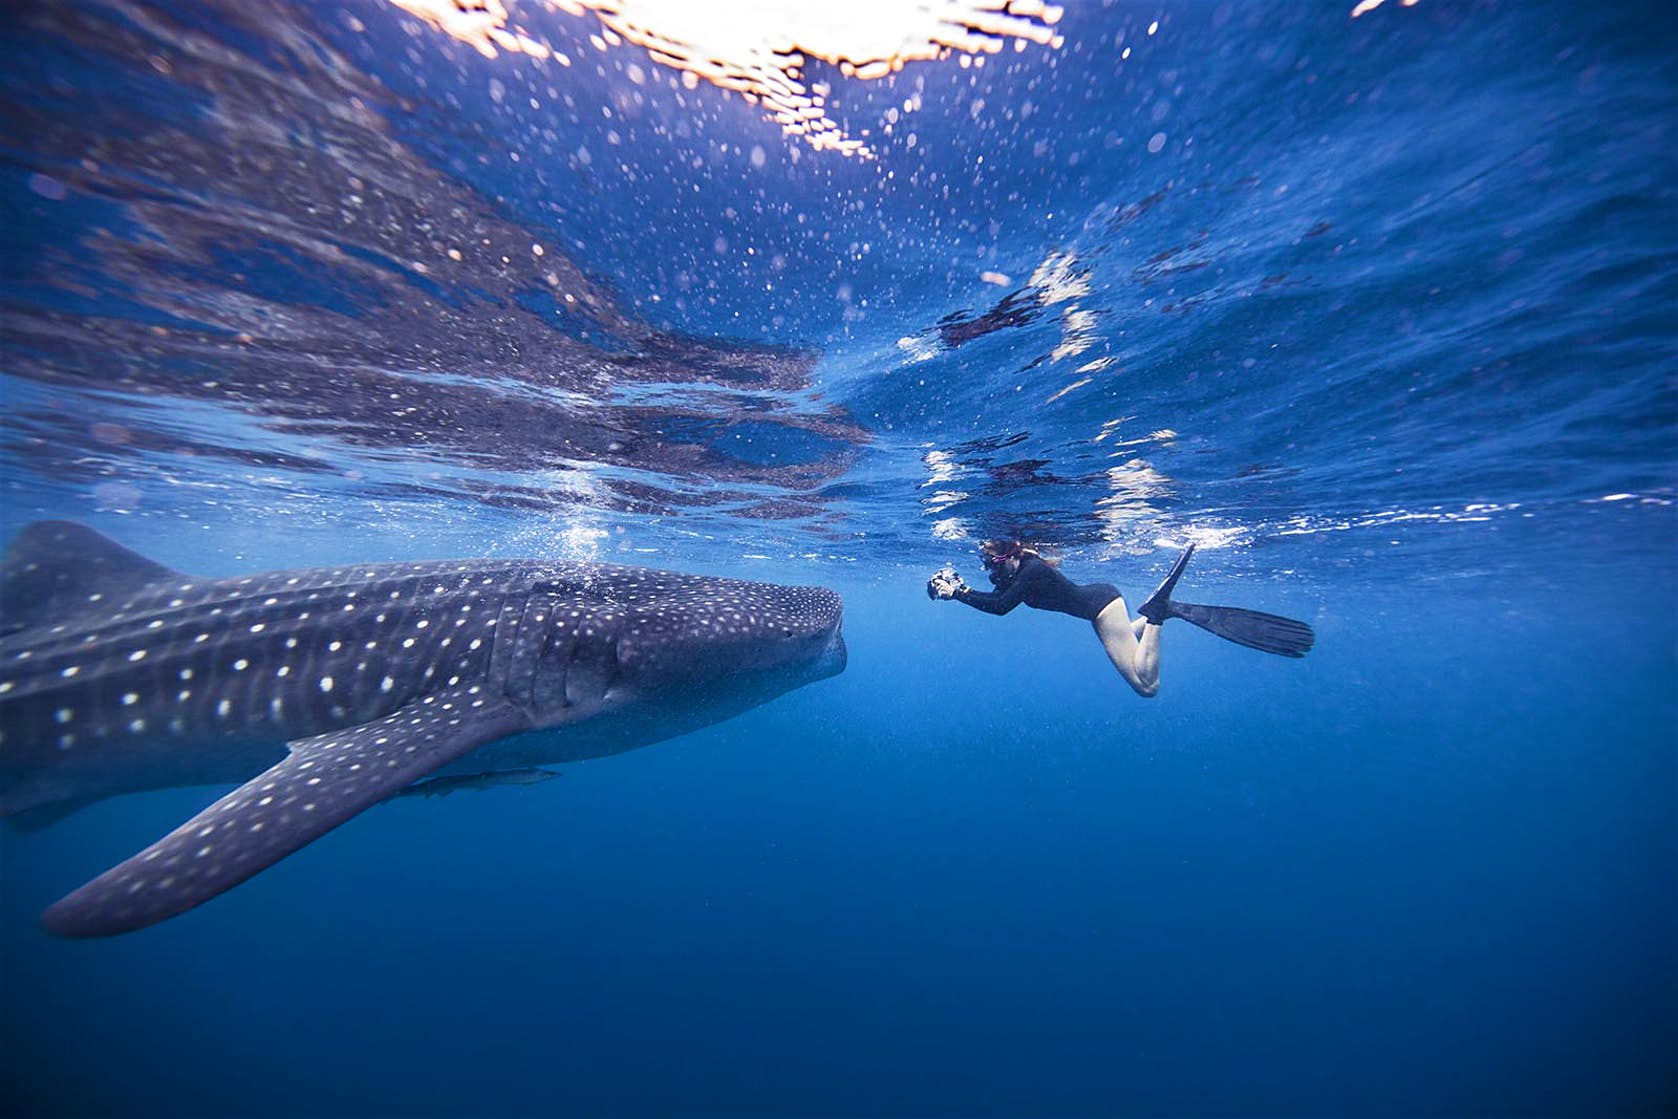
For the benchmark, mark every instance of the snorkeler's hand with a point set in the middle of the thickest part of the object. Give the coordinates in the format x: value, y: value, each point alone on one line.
x: 945, y: 584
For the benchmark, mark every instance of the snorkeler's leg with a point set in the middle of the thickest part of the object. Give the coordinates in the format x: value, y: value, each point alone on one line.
x: 1147, y: 658
x: 1133, y: 650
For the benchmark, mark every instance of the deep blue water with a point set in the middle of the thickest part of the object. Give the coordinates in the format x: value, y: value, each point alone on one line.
x: 1380, y: 312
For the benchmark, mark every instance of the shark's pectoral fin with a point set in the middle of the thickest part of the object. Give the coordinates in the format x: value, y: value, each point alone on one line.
x: 326, y: 780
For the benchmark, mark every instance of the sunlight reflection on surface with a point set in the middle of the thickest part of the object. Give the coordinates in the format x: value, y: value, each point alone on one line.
x: 758, y: 48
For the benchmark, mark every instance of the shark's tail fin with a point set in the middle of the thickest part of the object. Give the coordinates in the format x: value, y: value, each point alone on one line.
x: 54, y: 568
x: 1268, y: 633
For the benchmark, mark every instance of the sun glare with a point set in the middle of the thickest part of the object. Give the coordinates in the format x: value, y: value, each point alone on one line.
x: 759, y: 48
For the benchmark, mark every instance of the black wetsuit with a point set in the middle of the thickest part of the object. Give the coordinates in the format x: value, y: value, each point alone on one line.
x: 1038, y: 584
x: 1041, y: 585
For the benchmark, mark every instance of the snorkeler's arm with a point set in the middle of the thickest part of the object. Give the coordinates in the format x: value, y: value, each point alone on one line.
x: 997, y: 602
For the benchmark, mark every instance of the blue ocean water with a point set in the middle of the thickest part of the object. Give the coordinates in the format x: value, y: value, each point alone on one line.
x: 1380, y: 312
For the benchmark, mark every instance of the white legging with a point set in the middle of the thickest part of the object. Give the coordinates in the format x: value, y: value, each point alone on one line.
x: 1132, y: 646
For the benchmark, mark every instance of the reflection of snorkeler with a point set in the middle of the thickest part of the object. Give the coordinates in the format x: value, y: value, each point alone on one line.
x: 1021, y: 575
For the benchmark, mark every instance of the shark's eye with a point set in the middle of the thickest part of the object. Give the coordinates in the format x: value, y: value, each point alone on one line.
x: 788, y: 632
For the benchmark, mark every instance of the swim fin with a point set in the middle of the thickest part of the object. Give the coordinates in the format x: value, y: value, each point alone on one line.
x: 1268, y: 633
x: 1158, y: 607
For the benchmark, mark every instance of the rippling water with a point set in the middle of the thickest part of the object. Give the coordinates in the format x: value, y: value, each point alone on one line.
x: 1380, y: 311
x: 1275, y: 272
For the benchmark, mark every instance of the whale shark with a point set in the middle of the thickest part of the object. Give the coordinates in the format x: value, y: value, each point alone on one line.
x: 328, y: 690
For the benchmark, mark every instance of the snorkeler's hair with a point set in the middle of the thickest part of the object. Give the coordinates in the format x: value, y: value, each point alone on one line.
x: 995, y: 551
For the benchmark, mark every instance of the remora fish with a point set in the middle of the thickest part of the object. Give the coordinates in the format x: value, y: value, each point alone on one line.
x: 443, y: 786
x: 339, y: 687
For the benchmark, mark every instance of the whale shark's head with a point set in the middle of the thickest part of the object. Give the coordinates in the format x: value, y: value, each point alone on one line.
x: 638, y: 636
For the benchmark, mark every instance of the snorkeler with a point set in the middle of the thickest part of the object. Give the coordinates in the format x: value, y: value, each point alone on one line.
x: 1020, y: 574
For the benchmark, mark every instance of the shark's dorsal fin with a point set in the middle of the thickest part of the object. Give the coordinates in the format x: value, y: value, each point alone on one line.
x: 54, y: 568
x: 326, y: 780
